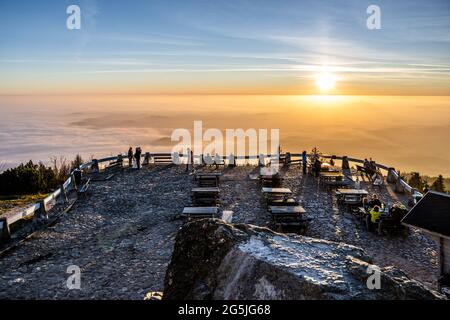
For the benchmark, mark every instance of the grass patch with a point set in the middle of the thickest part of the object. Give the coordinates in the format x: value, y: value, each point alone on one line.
x: 11, y: 201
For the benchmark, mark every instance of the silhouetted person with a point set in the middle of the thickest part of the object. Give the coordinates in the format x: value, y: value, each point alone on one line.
x: 332, y: 162
x: 397, y: 213
x: 217, y: 161
x: 137, y: 156
x: 317, y: 166
x: 374, y: 202
x: 304, y: 161
x: 130, y: 157
x: 208, y: 160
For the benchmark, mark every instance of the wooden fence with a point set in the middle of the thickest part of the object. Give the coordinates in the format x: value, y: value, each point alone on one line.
x: 68, y: 186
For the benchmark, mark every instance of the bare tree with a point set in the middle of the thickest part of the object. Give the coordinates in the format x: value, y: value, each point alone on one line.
x: 60, y: 168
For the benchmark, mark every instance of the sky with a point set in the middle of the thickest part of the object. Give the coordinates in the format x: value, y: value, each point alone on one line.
x: 224, y: 47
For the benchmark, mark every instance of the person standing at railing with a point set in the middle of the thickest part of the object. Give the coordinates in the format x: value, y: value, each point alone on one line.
x: 317, y: 167
x: 304, y: 161
x: 130, y: 157
x: 137, y: 156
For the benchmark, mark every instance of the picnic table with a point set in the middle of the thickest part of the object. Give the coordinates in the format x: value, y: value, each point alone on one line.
x: 331, y: 174
x: 352, y: 192
x: 332, y: 178
x: 208, y: 179
x: 205, y: 195
x: 268, y: 190
x: 207, y: 174
x: 289, y: 218
x: 210, y: 190
x: 200, y: 212
x: 351, y: 197
x: 277, y: 196
x: 283, y: 210
x: 326, y: 167
x: 269, y: 176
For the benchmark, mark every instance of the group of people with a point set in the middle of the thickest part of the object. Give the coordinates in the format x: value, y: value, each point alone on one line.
x: 136, y: 155
x: 316, y: 164
x: 370, y: 166
x: 375, y: 207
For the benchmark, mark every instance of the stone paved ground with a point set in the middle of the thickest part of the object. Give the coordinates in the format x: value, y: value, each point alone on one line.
x: 122, y: 235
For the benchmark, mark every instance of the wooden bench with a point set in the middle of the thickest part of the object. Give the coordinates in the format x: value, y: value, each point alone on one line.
x: 207, y: 179
x: 205, y: 196
x: 162, y: 159
x: 289, y: 218
x: 200, y: 212
x: 286, y: 210
x: 114, y: 166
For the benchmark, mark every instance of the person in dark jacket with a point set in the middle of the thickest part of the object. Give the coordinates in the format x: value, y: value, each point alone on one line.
x: 137, y: 156
x: 317, y: 166
x: 130, y: 157
x: 304, y: 161
x: 375, y: 201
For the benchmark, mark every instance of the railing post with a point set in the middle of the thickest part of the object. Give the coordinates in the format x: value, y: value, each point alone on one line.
x: 77, y: 175
x: 391, y: 176
x: 95, y: 167
x: 146, y: 159
x: 398, y: 185
x: 5, y: 234
x: 345, y: 163
x: 72, y: 182
x: 287, y: 158
x: 232, y: 161
x: 41, y: 215
x: 189, y: 159
x: 261, y: 160
x: 63, y: 195
x: 120, y: 160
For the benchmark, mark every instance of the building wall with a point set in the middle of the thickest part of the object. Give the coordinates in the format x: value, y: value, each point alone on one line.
x: 446, y: 255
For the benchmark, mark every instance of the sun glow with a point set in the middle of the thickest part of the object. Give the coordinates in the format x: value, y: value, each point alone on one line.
x: 325, y: 81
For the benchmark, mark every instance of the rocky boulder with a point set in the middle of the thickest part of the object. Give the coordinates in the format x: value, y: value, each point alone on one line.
x: 215, y: 260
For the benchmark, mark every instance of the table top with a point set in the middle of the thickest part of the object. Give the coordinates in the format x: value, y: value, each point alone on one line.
x: 205, y: 190
x: 331, y: 174
x: 276, y: 190
x: 352, y: 191
x: 268, y: 172
x: 200, y: 210
x: 329, y: 167
x: 208, y: 174
x: 286, y: 209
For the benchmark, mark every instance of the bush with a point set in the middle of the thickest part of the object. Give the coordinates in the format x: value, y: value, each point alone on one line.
x: 27, y: 178
x: 31, y: 178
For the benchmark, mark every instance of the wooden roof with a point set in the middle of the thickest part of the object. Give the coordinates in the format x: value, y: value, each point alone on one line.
x: 431, y: 213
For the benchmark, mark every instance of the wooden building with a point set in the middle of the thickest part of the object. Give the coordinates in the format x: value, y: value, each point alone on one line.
x: 432, y: 215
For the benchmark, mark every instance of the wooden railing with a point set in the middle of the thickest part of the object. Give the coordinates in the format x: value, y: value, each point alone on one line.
x: 69, y: 185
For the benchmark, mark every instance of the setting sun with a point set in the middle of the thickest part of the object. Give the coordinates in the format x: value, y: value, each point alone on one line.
x: 325, y: 81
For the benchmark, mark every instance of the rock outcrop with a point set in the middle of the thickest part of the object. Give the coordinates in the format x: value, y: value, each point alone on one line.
x: 215, y: 260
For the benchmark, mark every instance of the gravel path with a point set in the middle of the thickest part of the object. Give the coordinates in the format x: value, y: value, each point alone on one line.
x: 122, y: 235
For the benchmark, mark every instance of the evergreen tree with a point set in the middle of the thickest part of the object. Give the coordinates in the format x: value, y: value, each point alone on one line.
x: 438, y: 184
x: 416, y: 181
